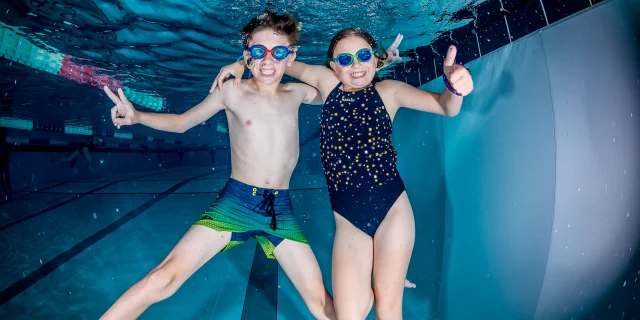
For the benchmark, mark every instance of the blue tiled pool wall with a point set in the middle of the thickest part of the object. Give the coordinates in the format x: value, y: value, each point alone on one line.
x: 495, y: 23
x: 559, y: 77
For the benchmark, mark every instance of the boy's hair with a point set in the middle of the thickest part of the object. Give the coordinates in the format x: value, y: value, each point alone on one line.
x: 356, y: 32
x: 282, y: 24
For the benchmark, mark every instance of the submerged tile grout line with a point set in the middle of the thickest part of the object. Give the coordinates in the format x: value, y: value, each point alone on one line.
x: 544, y: 11
x: 261, y: 296
x: 132, y: 193
x: 156, y: 180
x: 505, y: 20
x: 55, y: 185
x: 23, y: 284
x: 79, y: 195
x: 184, y: 192
x: 37, y: 191
x: 508, y: 31
x: 219, y: 293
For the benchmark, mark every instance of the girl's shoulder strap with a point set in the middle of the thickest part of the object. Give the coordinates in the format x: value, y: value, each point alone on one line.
x: 336, y: 88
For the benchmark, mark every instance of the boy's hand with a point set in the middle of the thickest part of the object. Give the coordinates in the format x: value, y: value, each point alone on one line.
x: 235, y: 69
x: 123, y: 113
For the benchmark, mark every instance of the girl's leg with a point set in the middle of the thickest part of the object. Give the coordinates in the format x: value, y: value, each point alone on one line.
x: 392, y: 247
x: 195, y: 248
x: 352, y: 265
x: 300, y: 264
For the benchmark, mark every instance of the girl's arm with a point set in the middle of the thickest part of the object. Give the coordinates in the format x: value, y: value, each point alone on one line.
x: 447, y: 103
x: 404, y: 95
x: 317, y: 76
x: 322, y: 77
x: 313, y: 75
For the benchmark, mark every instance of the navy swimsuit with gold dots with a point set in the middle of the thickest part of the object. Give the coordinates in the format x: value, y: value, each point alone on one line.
x: 358, y: 158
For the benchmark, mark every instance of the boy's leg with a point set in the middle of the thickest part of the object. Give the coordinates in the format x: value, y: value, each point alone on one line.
x: 300, y: 264
x: 195, y: 248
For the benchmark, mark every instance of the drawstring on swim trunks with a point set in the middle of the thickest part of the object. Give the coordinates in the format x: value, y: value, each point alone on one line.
x: 268, y: 204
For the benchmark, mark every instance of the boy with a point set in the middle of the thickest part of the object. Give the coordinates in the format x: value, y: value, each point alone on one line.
x: 263, y: 131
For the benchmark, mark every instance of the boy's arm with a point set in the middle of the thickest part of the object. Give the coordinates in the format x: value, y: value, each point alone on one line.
x: 123, y: 113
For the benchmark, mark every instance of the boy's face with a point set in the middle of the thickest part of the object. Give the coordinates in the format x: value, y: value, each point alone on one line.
x: 268, y: 70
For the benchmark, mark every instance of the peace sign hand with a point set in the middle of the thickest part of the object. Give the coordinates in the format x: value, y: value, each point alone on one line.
x: 123, y: 113
x: 393, y: 54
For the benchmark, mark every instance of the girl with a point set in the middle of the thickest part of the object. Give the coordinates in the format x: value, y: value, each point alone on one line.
x: 374, y: 221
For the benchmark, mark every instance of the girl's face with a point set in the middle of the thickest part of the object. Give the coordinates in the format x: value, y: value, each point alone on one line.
x: 359, y: 74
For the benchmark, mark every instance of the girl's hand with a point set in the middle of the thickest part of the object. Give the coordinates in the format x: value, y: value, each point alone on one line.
x: 458, y: 75
x: 393, y: 54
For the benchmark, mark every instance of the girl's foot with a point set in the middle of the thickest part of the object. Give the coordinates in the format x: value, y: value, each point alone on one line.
x: 408, y: 284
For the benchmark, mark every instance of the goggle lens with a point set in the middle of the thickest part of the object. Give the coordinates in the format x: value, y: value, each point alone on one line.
x: 346, y: 59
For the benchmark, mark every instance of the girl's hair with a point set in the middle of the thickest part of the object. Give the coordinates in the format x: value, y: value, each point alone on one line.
x: 282, y: 24
x: 356, y: 32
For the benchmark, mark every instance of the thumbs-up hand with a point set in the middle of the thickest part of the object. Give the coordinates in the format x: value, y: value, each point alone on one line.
x: 459, y: 77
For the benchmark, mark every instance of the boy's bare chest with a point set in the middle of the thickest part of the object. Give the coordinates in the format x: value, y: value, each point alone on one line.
x: 255, y: 110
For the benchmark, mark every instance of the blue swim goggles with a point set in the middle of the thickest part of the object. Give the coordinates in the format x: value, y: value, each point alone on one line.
x: 346, y: 59
x: 279, y: 53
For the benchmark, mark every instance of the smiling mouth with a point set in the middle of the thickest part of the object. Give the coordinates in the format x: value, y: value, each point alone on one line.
x: 358, y: 75
x: 267, y: 72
